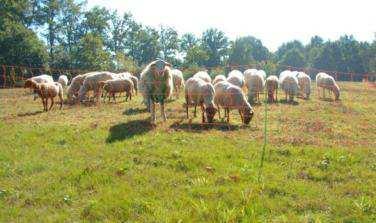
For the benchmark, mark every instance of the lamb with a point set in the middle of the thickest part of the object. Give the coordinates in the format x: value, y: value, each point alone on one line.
x: 229, y: 96
x: 304, y: 84
x: 63, y: 80
x: 236, y: 77
x: 219, y: 78
x: 178, y: 80
x: 289, y: 84
x: 204, y: 76
x: 118, y: 86
x: 91, y: 82
x: 156, y: 86
x: 255, y: 83
x: 133, y: 78
x: 47, y: 91
x: 44, y: 78
x: 326, y: 81
x: 199, y: 92
x: 272, y: 88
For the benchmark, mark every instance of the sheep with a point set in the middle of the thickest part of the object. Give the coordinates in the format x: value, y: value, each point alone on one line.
x: 63, y: 80
x: 236, y: 77
x: 44, y: 78
x: 133, y: 78
x: 156, y: 86
x: 47, y: 90
x: 326, y: 81
x: 304, y: 84
x: 289, y: 84
x: 255, y: 83
x: 271, y: 84
x: 178, y: 80
x: 117, y: 86
x: 91, y: 82
x: 75, y: 85
x: 204, y: 76
x: 230, y: 96
x: 219, y: 78
x: 199, y: 92
x: 262, y: 73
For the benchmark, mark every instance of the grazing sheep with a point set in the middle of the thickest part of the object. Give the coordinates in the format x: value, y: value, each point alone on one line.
x: 219, y: 78
x: 156, y: 86
x: 289, y: 84
x: 204, y: 76
x: 47, y: 91
x: 75, y: 85
x: 304, y: 84
x: 229, y: 96
x: 114, y: 86
x: 178, y: 80
x: 255, y: 83
x: 262, y: 73
x: 133, y: 78
x: 199, y: 92
x: 326, y: 81
x: 44, y: 78
x: 63, y: 80
x: 91, y: 82
x: 236, y: 77
x: 271, y: 84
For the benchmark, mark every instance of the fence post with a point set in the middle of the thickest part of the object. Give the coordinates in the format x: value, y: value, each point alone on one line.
x: 4, y: 75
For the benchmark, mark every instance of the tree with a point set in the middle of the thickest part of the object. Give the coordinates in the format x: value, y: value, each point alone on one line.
x: 284, y: 48
x: 92, y: 55
x: 187, y: 41
x: 196, y: 56
x: 169, y: 41
x: 294, y: 58
x: 215, y: 43
x: 246, y: 50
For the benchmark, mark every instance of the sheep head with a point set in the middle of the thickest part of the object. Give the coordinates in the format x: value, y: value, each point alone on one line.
x: 210, y: 113
x: 247, y: 115
x: 336, y: 91
x: 31, y: 84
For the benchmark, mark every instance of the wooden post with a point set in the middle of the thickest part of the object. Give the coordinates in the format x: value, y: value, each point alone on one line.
x: 4, y: 75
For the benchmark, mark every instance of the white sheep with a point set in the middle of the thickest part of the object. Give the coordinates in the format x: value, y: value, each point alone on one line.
x: 289, y: 84
x: 236, y: 77
x: 326, y: 81
x: 47, y: 90
x: 255, y: 83
x: 91, y: 83
x: 204, y: 76
x: 199, y: 92
x: 75, y: 85
x: 63, y: 80
x: 271, y: 85
x: 262, y: 73
x: 178, y: 80
x: 113, y: 86
x: 156, y: 86
x: 219, y: 78
x: 229, y: 96
x: 304, y: 84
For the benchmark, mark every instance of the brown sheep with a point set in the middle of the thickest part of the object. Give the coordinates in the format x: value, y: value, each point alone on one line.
x: 46, y: 91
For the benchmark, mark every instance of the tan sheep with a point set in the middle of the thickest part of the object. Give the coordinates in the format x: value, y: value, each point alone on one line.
x: 272, y: 88
x: 47, y: 91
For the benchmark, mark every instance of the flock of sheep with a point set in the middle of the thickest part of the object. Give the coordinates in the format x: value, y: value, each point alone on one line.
x: 159, y: 82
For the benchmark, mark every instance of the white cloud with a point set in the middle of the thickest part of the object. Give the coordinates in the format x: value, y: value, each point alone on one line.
x: 274, y: 22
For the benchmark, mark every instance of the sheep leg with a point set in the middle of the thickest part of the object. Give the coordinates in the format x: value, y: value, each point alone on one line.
x: 241, y: 115
x: 153, y: 117
x: 228, y: 115
x: 44, y: 104
x: 113, y: 96
x: 203, y: 113
x: 163, y: 111
x: 276, y: 95
x: 61, y: 101
x: 286, y: 96
x: 219, y: 112
x: 52, y: 103
x: 195, y: 111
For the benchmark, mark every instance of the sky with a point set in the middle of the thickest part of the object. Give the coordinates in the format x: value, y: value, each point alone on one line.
x: 273, y: 22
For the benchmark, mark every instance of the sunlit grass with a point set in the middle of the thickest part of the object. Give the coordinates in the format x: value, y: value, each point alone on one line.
x: 107, y: 163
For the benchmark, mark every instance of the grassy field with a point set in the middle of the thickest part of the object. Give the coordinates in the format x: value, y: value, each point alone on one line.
x: 107, y: 163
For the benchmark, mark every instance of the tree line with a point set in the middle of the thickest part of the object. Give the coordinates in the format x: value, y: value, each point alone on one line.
x: 64, y: 34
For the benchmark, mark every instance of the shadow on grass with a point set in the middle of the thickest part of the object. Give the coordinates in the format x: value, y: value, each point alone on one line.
x: 127, y: 130
x: 284, y: 101
x: 201, y: 127
x: 134, y: 111
x: 29, y: 113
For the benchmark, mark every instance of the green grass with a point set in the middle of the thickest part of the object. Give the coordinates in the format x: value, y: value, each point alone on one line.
x: 107, y: 163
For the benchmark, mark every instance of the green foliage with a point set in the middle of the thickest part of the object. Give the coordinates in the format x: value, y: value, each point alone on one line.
x: 246, y: 50
x: 92, y: 55
x: 215, y: 43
